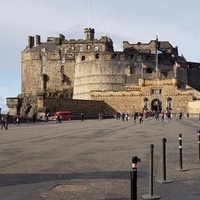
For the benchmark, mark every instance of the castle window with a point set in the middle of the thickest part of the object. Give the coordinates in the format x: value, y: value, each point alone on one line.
x: 88, y: 47
x: 96, y: 48
x: 62, y: 69
x: 97, y: 56
x: 149, y: 70
x: 43, y: 70
x: 83, y: 58
x: 156, y: 91
x: 80, y: 49
x: 72, y: 47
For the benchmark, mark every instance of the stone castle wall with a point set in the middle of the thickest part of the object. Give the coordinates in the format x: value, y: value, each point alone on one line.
x: 55, y: 75
x: 194, y: 108
x: 132, y: 99
x: 193, y: 76
x: 91, y: 109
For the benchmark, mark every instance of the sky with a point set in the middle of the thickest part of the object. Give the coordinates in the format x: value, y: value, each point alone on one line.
x: 134, y: 21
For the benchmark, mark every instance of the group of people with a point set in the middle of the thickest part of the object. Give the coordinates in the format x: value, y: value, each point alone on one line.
x: 126, y: 116
x: 164, y: 116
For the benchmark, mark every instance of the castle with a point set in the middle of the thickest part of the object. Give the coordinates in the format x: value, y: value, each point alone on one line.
x: 87, y: 75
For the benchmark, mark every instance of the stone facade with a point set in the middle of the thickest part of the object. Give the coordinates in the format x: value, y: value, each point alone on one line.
x: 146, y: 94
x: 194, y: 108
x: 141, y: 76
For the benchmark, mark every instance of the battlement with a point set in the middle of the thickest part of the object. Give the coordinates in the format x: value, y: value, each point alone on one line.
x: 89, y: 43
x: 162, y: 46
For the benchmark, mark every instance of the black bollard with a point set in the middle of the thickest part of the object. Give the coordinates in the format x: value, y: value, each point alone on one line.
x: 199, y: 142
x: 180, y: 155
x: 164, y: 180
x: 133, y: 175
x: 151, y: 195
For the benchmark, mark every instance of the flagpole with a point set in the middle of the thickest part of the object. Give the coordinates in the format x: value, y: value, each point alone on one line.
x: 88, y: 9
x: 156, y: 56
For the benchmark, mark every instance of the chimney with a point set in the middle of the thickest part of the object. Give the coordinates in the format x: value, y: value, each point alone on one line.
x: 37, y: 40
x: 62, y: 37
x: 30, y: 41
x: 89, y: 33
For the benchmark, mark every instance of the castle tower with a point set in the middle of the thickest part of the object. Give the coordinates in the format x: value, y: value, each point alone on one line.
x: 97, y: 73
x: 89, y: 33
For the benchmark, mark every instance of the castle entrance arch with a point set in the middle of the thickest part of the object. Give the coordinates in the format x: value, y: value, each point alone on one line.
x: 156, y: 105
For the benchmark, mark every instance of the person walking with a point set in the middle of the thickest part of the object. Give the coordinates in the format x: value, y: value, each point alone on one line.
x: 140, y: 118
x: 157, y: 116
x: 7, y: 117
x: 82, y: 116
x: 135, y: 116
x: 180, y: 115
x: 34, y: 118
x: 3, y: 120
x: 47, y: 117
x: 18, y: 120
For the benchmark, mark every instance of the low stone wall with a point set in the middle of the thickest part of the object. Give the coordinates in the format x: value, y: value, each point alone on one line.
x: 194, y: 108
x: 91, y: 109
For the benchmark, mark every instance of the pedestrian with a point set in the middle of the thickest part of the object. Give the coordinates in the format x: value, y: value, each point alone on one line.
x: 0, y: 116
x: 123, y: 116
x: 58, y: 119
x: 100, y: 116
x: 180, y: 115
x: 3, y: 120
x: 82, y: 116
x: 140, y: 118
x: 34, y: 118
x: 157, y: 116
x: 47, y: 118
x: 7, y: 118
x: 18, y: 120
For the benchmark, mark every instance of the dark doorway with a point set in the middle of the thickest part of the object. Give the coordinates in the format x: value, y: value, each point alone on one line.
x: 156, y: 105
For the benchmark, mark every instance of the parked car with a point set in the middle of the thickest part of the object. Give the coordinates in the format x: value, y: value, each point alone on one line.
x: 65, y: 115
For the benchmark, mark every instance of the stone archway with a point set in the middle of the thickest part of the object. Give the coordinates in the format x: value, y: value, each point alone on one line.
x: 156, y: 105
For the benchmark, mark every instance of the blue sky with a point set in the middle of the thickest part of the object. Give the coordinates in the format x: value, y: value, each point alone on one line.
x: 122, y: 20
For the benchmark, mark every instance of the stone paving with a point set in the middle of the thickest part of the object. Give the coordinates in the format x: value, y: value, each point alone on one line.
x: 92, y: 160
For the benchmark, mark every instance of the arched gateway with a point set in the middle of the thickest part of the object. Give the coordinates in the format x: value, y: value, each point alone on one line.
x: 156, y: 105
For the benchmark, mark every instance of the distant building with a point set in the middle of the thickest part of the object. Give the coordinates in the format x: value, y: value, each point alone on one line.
x: 88, y: 75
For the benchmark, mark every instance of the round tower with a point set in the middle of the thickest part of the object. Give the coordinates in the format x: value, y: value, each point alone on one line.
x: 97, y: 72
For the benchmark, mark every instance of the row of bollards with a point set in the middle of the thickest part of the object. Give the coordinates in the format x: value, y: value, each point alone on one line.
x: 135, y: 160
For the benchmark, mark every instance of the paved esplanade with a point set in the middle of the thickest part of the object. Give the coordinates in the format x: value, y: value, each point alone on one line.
x: 92, y: 160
